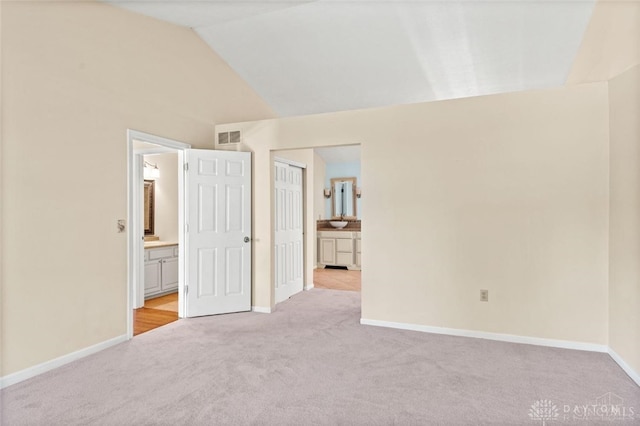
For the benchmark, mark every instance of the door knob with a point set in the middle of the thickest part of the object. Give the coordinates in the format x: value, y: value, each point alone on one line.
x: 247, y: 239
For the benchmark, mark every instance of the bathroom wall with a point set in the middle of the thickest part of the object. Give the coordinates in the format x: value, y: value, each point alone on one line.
x: 338, y: 170
x: 166, y: 196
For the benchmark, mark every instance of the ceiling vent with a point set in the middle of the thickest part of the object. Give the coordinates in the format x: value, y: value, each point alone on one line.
x: 229, y: 137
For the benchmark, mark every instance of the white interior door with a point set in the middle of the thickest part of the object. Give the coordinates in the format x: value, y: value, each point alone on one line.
x: 288, y: 231
x: 218, y: 232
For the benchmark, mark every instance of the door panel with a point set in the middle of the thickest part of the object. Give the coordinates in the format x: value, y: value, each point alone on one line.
x: 218, y: 259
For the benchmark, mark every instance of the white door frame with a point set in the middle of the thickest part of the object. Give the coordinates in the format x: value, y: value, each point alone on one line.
x: 135, y: 235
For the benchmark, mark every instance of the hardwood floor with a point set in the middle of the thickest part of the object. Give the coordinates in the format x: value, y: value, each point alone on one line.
x: 168, y: 302
x: 337, y: 279
x: 155, y: 313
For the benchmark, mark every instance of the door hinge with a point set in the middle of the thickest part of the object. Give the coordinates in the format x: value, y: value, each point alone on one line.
x: 186, y: 228
x: 186, y: 167
x: 186, y: 290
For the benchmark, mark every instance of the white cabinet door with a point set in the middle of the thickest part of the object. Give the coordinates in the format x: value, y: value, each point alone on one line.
x: 344, y: 259
x: 152, y: 274
x: 170, y: 274
x: 218, y: 241
x: 327, y: 251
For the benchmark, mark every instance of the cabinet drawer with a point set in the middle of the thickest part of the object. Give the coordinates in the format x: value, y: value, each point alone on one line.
x: 344, y: 258
x: 335, y: 234
x: 343, y: 245
x: 160, y: 253
x: 175, y: 252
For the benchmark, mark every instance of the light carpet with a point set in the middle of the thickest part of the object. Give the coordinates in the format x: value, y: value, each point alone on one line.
x: 312, y: 363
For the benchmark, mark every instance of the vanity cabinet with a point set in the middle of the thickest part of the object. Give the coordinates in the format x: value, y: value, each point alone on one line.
x: 338, y: 248
x: 160, y: 271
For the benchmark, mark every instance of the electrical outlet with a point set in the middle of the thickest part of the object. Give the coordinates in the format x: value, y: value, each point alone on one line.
x: 121, y: 225
x: 484, y: 295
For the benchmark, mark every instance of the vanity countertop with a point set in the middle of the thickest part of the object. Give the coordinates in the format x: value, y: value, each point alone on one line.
x: 347, y: 229
x: 156, y: 244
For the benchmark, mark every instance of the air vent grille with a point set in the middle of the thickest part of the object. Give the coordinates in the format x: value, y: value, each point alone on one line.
x: 223, y: 138
x: 229, y: 137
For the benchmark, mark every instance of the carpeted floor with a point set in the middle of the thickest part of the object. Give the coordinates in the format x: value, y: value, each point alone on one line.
x: 311, y: 363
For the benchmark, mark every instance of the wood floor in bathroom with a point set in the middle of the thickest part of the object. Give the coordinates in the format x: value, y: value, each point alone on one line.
x: 155, y: 313
x: 337, y: 279
x: 164, y: 309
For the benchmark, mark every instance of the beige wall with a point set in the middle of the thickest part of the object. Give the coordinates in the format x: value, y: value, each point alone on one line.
x: 611, y: 43
x: 166, y: 192
x: 2, y: 186
x: 624, y: 239
x: 319, y: 170
x: 76, y: 76
x: 320, y: 174
x: 507, y: 193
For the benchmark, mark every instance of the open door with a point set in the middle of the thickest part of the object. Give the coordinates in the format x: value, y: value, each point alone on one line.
x: 289, y: 278
x: 217, y: 232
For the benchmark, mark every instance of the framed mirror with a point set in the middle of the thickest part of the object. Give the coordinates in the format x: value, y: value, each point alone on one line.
x: 149, y: 206
x: 343, y: 193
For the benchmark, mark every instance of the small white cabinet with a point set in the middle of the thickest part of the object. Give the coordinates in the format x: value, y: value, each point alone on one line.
x: 327, y: 251
x: 160, y: 271
x: 339, y: 248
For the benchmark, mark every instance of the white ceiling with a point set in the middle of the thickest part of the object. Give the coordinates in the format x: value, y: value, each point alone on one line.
x: 307, y: 57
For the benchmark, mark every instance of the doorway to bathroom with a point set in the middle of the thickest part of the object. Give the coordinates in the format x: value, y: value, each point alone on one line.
x: 331, y: 257
x: 212, y: 256
x: 156, y: 298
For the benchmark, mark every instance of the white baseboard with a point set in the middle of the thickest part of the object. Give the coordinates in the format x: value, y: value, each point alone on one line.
x: 565, y: 344
x: 30, y: 372
x: 309, y: 287
x: 627, y: 369
x: 261, y: 309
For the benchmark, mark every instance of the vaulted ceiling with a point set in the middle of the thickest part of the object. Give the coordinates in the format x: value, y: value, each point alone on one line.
x: 307, y: 57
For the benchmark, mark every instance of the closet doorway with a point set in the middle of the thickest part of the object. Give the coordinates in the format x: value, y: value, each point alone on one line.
x: 288, y: 229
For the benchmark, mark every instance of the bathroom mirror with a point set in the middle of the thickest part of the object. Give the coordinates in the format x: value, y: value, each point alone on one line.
x: 149, y: 208
x: 343, y: 193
